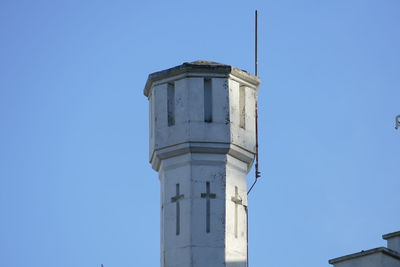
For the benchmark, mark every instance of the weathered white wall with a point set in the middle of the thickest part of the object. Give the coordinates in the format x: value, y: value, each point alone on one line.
x: 189, y: 110
x: 193, y: 245
x: 236, y: 246
x: 393, y: 243
x: 239, y: 136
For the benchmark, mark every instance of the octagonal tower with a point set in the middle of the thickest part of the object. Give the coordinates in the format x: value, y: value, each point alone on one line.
x: 202, y: 143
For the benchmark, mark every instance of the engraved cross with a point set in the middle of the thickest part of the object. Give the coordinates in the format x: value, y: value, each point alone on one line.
x: 176, y: 199
x: 238, y: 201
x: 208, y: 196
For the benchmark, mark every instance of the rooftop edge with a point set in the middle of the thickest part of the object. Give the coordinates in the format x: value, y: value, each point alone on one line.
x: 201, y: 66
x: 383, y: 250
x: 390, y: 235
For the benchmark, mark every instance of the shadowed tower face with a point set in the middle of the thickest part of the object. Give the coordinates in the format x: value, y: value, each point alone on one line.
x: 202, y: 143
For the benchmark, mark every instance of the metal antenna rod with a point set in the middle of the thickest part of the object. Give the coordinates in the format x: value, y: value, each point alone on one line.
x: 256, y: 44
x: 257, y: 172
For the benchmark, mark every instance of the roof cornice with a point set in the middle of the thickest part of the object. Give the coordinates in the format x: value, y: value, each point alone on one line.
x: 200, y: 66
x: 383, y: 250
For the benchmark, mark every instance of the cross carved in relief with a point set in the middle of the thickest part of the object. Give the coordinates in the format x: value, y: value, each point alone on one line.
x: 177, y: 198
x: 208, y: 196
x: 238, y: 201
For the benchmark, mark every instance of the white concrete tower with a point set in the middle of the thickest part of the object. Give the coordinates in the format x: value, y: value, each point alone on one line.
x: 202, y: 143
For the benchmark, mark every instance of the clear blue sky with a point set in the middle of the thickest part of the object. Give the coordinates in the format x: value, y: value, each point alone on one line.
x: 76, y: 188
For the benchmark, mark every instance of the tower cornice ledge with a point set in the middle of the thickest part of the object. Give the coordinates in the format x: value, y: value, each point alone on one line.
x: 201, y: 147
x: 200, y: 66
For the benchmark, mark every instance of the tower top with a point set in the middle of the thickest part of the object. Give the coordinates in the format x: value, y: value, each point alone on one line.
x: 200, y: 66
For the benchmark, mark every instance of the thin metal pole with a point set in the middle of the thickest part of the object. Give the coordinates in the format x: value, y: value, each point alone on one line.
x: 257, y: 172
x: 256, y: 44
